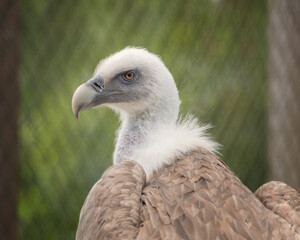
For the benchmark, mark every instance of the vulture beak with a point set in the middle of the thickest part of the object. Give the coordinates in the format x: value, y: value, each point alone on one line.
x: 88, y: 95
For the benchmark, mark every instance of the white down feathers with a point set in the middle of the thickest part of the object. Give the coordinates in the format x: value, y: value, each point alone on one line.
x: 149, y: 133
x: 166, y: 144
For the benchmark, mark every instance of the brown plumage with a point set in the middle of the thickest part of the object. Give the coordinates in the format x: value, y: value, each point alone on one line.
x: 196, y: 197
x: 282, y: 200
x: 174, y: 187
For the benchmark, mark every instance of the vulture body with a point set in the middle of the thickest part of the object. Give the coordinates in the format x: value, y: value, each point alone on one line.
x: 166, y: 182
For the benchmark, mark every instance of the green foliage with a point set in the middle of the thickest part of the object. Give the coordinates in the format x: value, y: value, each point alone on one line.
x: 216, y: 51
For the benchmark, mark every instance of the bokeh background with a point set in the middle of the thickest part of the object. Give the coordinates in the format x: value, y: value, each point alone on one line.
x: 236, y: 65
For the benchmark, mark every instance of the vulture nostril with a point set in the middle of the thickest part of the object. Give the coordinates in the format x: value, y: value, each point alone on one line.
x: 97, y: 83
x: 97, y: 87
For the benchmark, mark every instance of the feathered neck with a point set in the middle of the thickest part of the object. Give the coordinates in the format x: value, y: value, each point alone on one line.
x: 155, y: 138
x: 136, y: 128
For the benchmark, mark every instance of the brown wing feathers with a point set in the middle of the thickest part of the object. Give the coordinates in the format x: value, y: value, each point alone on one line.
x: 112, y: 207
x: 282, y: 200
x: 197, y: 197
x: 205, y: 200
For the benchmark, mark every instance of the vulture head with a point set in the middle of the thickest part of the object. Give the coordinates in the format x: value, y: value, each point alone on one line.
x: 133, y: 82
x: 136, y: 84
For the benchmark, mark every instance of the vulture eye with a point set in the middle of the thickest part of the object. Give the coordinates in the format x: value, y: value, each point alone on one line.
x: 129, y: 76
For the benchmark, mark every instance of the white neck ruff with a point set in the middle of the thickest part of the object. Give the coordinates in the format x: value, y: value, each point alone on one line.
x: 166, y: 143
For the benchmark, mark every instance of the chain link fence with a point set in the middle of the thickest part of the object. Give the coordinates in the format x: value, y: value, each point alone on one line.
x: 216, y: 50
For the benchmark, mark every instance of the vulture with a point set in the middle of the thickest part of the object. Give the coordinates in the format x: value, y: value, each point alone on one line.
x: 166, y: 181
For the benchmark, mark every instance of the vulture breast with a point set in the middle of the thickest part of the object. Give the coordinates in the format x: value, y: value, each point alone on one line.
x: 196, y: 197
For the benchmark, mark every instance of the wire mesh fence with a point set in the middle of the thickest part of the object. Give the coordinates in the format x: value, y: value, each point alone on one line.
x: 216, y: 50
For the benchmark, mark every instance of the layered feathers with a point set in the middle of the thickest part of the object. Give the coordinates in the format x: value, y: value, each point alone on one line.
x: 167, y: 182
x: 196, y: 197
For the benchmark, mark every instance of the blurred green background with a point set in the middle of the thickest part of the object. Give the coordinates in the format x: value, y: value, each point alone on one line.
x: 216, y: 51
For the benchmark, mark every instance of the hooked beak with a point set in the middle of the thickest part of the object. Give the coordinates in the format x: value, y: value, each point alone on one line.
x: 88, y: 95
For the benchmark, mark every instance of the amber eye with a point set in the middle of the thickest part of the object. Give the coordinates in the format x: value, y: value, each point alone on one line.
x: 129, y: 75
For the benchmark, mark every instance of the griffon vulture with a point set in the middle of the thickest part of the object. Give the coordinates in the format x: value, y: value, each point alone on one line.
x: 166, y: 182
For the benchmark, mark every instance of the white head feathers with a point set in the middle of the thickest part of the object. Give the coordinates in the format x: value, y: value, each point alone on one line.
x: 137, y: 84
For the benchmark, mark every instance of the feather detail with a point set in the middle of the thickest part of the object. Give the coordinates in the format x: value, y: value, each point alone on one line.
x: 196, y: 197
x: 167, y: 143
